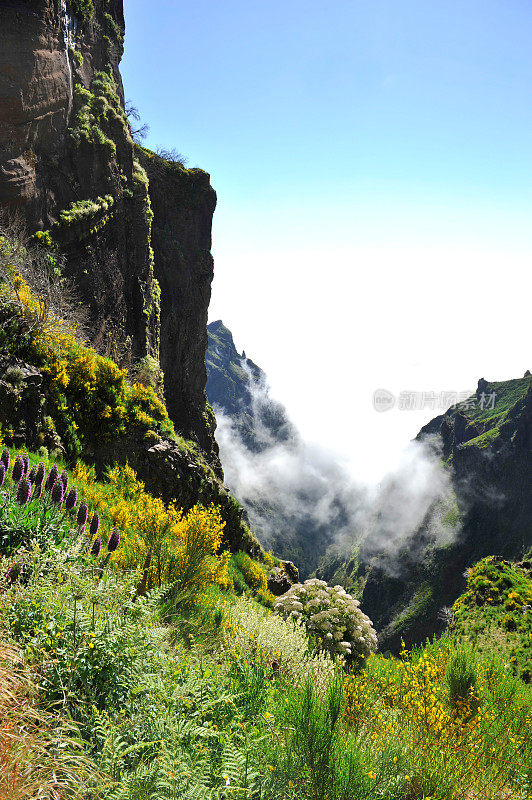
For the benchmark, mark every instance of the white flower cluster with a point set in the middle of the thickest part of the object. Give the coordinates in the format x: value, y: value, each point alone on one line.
x: 332, y: 616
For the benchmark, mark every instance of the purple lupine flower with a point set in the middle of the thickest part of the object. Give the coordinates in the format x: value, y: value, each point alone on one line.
x: 51, y: 479
x: 2, y: 473
x: 114, y: 540
x: 37, y: 492
x: 5, y: 458
x: 26, y: 462
x: 18, y: 469
x: 57, y: 493
x: 96, y: 546
x: 81, y: 516
x: 95, y: 524
x: 32, y: 474
x: 71, y: 499
x: 23, y: 491
x: 64, y: 480
x: 41, y: 473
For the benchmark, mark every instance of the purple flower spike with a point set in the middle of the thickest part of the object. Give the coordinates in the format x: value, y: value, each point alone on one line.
x: 23, y: 491
x: 114, y: 540
x: 95, y: 524
x: 96, y: 546
x: 26, y: 462
x: 71, y: 499
x: 5, y: 458
x: 51, y: 479
x: 18, y: 469
x: 2, y: 473
x: 37, y: 492
x: 57, y: 493
x: 41, y: 472
x: 83, y: 513
x: 32, y: 476
x: 64, y: 480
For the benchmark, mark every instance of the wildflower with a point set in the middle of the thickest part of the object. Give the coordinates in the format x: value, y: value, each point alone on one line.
x: 114, y: 540
x: 18, y: 469
x: 95, y: 524
x: 83, y: 513
x: 23, y: 491
x: 91, y: 645
x: 5, y: 458
x: 372, y: 775
x: 96, y: 546
x: 51, y: 479
x: 71, y: 499
x: 41, y: 473
x: 64, y: 479
x: 57, y: 493
x: 2, y: 473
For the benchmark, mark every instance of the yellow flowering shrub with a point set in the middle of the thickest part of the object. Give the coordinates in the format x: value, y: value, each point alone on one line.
x: 89, y: 395
x: 183, y: 547
x: 404, y: 706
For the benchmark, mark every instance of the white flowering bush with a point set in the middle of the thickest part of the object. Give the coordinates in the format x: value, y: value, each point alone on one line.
x: 332, y: 617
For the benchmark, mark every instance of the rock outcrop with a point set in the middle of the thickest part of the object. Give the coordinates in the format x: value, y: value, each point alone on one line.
x: 69, y: 166
x: 282, y: 578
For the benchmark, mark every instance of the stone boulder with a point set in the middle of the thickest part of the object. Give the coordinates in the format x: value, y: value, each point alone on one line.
x: 281, y: 578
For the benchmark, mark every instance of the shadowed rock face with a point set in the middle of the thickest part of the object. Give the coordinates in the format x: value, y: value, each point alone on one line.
x: 36, y: 91
x: 46, y: 167
x: 34, y: 96
x: 183, y: 204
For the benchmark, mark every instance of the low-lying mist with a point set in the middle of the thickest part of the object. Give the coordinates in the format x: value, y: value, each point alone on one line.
x: 302, y: 499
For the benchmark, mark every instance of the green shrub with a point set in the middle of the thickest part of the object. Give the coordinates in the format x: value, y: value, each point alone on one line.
x: 253, y: 575
x: 461, y: 677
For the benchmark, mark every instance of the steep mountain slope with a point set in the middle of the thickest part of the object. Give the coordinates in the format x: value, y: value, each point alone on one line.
x: 69, y: 167
x: 237, y: 386
x: 294, y: 492
x: 486, y: 447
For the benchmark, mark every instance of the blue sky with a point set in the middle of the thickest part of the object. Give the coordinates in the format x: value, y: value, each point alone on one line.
x: 372, y: 162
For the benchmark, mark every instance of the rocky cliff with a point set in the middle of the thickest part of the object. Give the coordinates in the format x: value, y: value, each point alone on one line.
x: 134, y: 230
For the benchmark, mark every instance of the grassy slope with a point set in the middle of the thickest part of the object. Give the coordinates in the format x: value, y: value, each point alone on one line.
x: 484, y: 422
x: 495, y: 611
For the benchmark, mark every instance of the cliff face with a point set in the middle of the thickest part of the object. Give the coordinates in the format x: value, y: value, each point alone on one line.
x: 68, y: 166
x: 183, y: 204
